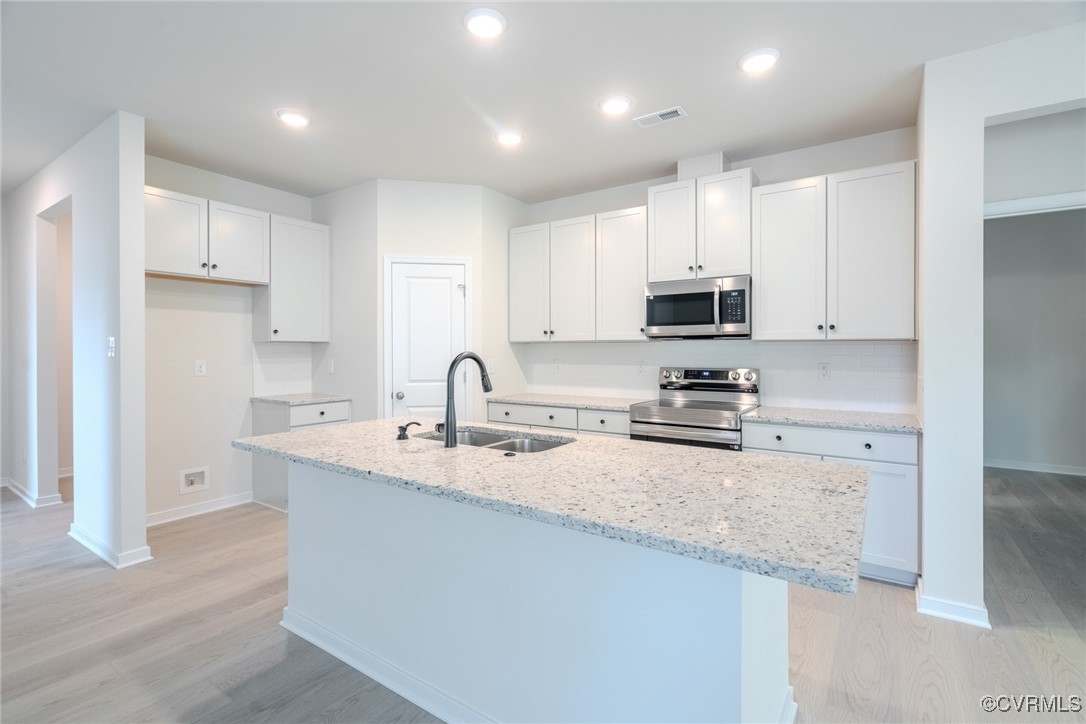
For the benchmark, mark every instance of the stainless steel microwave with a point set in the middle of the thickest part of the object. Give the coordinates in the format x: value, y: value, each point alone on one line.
x: 699, y: 308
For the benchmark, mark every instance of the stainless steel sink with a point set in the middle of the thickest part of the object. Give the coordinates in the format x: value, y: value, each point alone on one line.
x: 479, y: 439
x: 526, y: 445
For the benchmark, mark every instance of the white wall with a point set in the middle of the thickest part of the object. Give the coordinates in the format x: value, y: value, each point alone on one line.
x: 960, y: 94
x: 102, y: 174
x: 1039, y: 156
x: 1035, y: 342
x: 876, y: 376
x: 64, y: 344
x: 410, y: 218
x: 191, y: 420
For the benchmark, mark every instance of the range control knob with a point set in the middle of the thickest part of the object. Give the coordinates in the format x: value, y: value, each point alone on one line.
x: 667, y: 374
x: 678, y: 374
x: 735, y: 375
x: 749, y: 376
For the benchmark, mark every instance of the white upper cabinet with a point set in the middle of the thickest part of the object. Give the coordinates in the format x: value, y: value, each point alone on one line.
x: 175, y: 233
x: 870, y: 253
x: 833, y: 257
x: 573, y: 280
x: 723, y: 228
x: 193, y: 237
x: 239, y: 247
x: 529, y: 283
x: 620, y: 274
x: 296, y: 305
x: 700, y: 228
x: 788, y: 274
x: 672, y: 232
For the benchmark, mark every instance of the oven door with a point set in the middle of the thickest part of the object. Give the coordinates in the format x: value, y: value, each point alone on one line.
x: 682, y: 435
x: 683, y: 309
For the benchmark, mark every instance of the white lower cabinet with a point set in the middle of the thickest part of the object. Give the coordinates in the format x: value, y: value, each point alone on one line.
x: 270, y: 474
x: 596, y: 422
x: 892, y: 525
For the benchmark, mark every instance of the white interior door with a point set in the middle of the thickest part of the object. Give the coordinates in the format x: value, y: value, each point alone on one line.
x: 428, y: 330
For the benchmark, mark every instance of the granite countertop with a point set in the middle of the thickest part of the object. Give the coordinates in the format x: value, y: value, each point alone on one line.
x: 302, y: 398
x: 795, y: 520
x: 581, y: 402
x: 839, y: 419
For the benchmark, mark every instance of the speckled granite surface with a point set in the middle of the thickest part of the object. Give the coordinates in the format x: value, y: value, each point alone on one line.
x: 795, y: 520
x: 839, y: 419
x: 581, y: 402
x: 302, y: 398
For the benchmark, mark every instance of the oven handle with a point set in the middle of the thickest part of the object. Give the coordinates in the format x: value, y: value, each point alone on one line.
x: 676, y: 432
x: 716, y: 307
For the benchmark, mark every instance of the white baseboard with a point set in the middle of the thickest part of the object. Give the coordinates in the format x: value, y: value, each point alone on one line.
x: 950, y: 610
x: 1035, y: 467
x: 187, y: 511
x: 65, y: 472
x: 99, y: 548
x: 29, y: 499
x: 790, y: 709
x: 383, y: 672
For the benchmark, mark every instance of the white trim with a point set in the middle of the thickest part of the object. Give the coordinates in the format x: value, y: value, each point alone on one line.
x: 65, y: 473
x: 1035, y: 205
x: 387, y: 674
x: 950, y: 610
x: 790, y: 708
x: 269, y: 505
x: 1035, y: 467
x: 29, y: 499
x: 187, y: 511
x: 469, y: 339
x: 103, y: 551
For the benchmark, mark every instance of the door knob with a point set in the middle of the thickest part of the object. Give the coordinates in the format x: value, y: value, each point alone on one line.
x: 399, y: 395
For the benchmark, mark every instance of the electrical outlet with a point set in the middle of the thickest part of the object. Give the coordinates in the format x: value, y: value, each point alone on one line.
x: 640, y: 368
x: 823, y: 370
x: 558, y: 365
x: 331, y: 366
x: 194, y: 480
x: 111, y: 347
x: 200, y: 368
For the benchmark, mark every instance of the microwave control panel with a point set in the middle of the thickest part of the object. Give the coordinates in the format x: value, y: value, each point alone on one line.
x: 733, y: 305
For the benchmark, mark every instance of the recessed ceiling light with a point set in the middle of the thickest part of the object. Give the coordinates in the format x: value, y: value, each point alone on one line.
x: 484, y: 23
x: 758, y: 60
x: 509, y: 138
x: 292, y: 117
x: 615, y: 105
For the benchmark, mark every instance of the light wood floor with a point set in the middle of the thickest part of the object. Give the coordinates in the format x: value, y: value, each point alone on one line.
x: 194, y: 636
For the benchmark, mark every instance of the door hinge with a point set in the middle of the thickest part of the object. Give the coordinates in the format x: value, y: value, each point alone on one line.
x: 463, y: 289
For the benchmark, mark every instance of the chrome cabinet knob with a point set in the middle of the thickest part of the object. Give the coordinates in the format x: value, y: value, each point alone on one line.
x: 399, y: 395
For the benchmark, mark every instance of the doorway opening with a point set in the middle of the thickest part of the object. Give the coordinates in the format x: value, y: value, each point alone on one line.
x: 1034, y: 377
x: 65, y: 461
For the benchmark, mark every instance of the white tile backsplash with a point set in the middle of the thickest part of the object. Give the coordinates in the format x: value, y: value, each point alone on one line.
x: 871, y: 376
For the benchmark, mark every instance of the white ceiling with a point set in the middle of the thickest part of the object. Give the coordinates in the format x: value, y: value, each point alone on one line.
x: 400, y: 90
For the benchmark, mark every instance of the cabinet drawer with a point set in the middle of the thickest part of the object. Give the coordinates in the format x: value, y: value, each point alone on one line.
x: 565, y: 417
x: 858, y: 444
x: 314, y: 414
x: 615, y: 423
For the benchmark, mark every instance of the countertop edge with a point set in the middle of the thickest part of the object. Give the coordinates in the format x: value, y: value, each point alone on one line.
x: 589, y: 402
x: 316, y: 399
x: 825, y: 581
x: 782, y: 418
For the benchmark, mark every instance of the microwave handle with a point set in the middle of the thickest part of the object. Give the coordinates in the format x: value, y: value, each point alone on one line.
x: 716, y: 307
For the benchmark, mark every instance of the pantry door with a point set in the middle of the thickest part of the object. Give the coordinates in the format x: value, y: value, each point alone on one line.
x: 427, y: 320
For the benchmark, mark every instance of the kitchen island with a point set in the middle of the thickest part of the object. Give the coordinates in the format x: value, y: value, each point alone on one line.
x: 603, y: 580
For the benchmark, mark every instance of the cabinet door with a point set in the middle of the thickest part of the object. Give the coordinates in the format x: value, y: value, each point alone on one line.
x: 723, y: 229
x: 529, y: 283
x: 175, y: 233
x: 298, y: 300
x: 788, y: 274
x: 620, y: 274
x: 892, y: 526
x: 239, y: 246
x: 573, y: 280
x: 871, y: 251
x: 672, y: 232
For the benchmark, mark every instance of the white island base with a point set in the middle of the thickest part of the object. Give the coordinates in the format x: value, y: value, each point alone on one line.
x: 476, y: 615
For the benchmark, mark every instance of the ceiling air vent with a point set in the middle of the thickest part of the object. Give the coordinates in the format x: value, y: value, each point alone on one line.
x: 655, y: 119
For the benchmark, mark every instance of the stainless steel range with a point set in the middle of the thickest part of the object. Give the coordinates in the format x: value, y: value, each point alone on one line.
x: 697, y: 407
